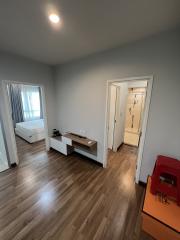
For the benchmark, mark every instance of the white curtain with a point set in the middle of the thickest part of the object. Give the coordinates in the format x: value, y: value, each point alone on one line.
x: 31, y: 102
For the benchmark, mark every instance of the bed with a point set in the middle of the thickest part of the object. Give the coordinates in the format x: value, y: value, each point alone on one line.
x: 31, y: 131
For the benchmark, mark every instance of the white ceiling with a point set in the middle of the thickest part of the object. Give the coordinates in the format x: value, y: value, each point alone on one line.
x: 87, y: 26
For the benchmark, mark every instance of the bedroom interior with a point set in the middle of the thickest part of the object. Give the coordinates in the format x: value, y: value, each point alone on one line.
x: 89, y: 120
x: 26, y: 110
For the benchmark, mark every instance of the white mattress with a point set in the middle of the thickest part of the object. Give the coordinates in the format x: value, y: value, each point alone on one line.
x: 31, y: 127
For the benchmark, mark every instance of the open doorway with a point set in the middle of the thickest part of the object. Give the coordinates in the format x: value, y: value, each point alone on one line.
x: 26, y: 110
x: 126, y: 113
x: 134, y: 113
x: 126, y: 118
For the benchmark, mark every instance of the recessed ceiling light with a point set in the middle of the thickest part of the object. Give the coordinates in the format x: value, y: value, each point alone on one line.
x: 54, y: 18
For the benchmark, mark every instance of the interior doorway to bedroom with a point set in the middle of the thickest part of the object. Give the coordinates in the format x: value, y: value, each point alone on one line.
x: 127, y: 113
x: 26, y: 106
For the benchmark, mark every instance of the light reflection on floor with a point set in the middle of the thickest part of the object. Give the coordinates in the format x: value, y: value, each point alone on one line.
x: 128, y: 182
x: 47, y: 198
x: 28, y: 177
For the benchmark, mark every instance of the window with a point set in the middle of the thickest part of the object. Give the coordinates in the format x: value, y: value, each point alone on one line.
x: 31, y: 102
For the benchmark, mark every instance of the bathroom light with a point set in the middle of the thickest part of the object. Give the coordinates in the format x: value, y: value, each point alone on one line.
x: 54, y: 18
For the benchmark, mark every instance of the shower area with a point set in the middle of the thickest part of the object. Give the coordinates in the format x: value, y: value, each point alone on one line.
x: 134, y: 115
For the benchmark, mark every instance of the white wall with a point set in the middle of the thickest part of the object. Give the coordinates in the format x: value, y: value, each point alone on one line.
x: 137, y: 84
x: 20, y: 69
x: 81, y: 93
x: 134, y: 84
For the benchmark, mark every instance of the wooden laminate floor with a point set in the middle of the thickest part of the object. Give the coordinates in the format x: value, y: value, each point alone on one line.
x: 50, y: 196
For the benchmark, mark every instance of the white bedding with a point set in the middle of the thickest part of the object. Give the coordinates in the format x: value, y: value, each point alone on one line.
x: 31, y: 131
x: 31, y: 127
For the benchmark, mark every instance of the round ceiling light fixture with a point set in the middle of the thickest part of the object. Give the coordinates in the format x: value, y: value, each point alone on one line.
x: 54, y: 18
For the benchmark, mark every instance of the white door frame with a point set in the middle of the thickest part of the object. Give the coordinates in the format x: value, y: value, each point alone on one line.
x: 149, y: 80
x: 8, y: 124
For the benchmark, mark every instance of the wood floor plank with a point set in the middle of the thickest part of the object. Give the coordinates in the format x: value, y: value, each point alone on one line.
x: 50, y: 196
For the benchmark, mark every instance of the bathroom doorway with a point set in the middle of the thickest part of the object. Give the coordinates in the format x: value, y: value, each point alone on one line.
x: 126, y: 113
x: 134, y: 114
x: 127, y: 104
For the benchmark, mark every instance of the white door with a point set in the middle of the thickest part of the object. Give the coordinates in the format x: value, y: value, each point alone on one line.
x: 120, y: 113
x: 112, y: 108
x: 117, y: 110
